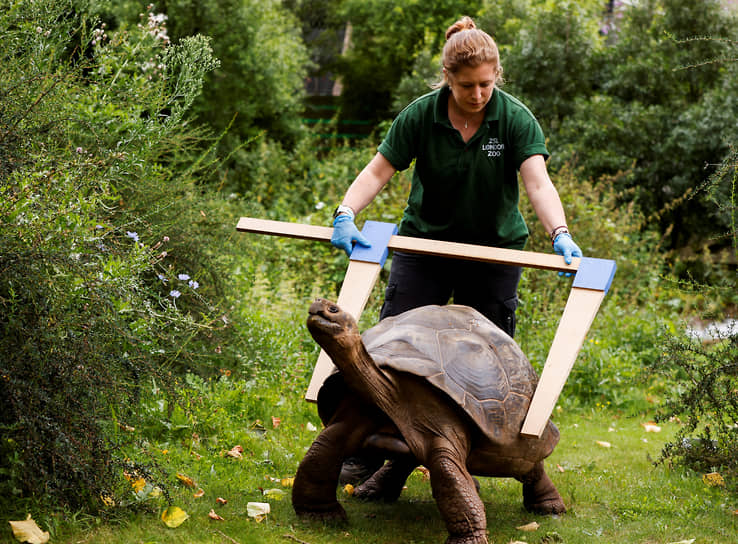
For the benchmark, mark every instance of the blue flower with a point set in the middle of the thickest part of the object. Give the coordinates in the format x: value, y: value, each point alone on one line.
x: 162, y: 277
x: 183, y: 277
x: 174, y: 293
x: 133, y: 235
x: 194, y: 284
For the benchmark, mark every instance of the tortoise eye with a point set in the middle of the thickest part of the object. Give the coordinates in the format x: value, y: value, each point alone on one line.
x: 333, y: 309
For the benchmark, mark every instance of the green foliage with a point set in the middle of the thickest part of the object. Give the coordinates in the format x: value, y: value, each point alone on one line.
x: 386, y: 38
x: 92, y: 303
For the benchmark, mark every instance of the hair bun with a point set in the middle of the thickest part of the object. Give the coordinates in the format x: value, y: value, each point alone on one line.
x: 465, y: 23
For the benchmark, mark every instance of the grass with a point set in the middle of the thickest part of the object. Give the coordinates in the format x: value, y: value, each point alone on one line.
x: 614, y: 494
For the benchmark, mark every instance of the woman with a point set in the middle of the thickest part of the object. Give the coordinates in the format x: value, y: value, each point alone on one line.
x: 469, y: 139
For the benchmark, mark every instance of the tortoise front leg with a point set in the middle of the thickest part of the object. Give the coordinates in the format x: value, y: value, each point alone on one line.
x: 540, y: 494
x: 456, y: 495
x: 386, y: 484
x: 314, y: 488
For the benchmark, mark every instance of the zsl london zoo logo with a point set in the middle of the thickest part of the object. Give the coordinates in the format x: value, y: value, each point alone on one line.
x: 493, y: 147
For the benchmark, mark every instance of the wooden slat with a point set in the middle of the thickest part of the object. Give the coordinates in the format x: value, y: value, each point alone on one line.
x: 423, y: 246
x: 581, y: 309
x: 355, y: 290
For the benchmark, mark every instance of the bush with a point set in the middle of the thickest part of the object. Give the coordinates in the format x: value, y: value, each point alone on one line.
x: 92, y: 304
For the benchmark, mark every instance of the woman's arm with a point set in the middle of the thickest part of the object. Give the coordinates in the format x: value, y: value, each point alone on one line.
x: 368, y: 183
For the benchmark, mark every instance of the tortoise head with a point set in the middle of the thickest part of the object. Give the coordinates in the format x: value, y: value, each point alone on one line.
x: 331, y: 327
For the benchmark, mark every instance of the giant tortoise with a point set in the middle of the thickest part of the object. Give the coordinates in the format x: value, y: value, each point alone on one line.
x: 439, y: 386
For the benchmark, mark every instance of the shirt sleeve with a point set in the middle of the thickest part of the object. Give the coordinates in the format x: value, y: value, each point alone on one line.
x: 399, y: 145
x: 529, y: 138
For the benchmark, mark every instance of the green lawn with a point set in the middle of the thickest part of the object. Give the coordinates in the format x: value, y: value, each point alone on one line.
x: 614, y: 494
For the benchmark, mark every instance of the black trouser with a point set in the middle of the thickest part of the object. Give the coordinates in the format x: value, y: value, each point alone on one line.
x: 419, y: 280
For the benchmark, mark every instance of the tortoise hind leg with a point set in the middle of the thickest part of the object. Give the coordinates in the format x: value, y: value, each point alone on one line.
x: 539, y: 493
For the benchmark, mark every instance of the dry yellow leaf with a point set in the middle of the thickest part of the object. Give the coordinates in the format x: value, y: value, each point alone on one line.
x: 287, y: 482
x: 275, y: 494
x: 138, y: 485
x: 189, y: 482
x: 199, y: 493
x: 28, y: 531
x: 713, y: 479
x: 603, y: 444
x: 174, y: 516
x: 221, y: 500
x: 348, y: 489
x: 529, y: 527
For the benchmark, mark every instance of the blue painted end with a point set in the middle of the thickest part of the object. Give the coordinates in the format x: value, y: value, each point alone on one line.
x: 379, y: 235
x: 595, y: 274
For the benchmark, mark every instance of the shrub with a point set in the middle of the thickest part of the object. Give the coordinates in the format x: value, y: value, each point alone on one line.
x: 92, y: 305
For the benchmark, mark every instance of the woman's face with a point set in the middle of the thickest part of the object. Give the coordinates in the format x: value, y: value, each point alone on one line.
x: 472, y: 87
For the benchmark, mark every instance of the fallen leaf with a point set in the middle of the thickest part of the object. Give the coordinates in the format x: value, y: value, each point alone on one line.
x: 138, y: 485
x: 155, y: 492
x: 651, y: 427
x: 221, y: 500
x: 517, y: 542
x: 529, y: 527
x: 174, y: 516
x: 196, y: 455
x: 424, y: 471
x: 560, y: 468
x: 213, y: 515
x: 310, y: 427
x: 199, y: 493
x: 107, y: 500
x: 689, y: 541
x: 713, y: 479
x: 275, y: 494
x: 603, y: 444
x: 276, y: 421
x: 258, y: 510
x: 186, y: 480
x: 348, y: 489
x: 287, y: 482
x: 236, y: 452
x: 28, y: 531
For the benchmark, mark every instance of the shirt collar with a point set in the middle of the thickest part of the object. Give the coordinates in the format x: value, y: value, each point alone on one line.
x: 440, y: 115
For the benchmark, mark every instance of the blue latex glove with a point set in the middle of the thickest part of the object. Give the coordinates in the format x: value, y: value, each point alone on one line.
x: 564, y: 245
x: 345, y: 233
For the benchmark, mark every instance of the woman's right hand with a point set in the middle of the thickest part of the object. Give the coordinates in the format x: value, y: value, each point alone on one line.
x: 345, y: 234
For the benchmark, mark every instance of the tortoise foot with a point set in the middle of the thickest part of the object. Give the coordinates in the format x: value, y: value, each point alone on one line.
x: 547, y: 507
x: 471, y: 538
x: 332, y: 512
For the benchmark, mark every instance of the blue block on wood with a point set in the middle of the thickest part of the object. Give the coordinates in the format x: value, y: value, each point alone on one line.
x: 595, y: 274
x: 379, y: 235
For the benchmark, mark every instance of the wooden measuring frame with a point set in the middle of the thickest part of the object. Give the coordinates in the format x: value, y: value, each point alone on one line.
x: 591, y: 283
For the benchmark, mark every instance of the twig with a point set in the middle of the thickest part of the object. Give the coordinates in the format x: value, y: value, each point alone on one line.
x: 293, y: 537
x: 227, y: 537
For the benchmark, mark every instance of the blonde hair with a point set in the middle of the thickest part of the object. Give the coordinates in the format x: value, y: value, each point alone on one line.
x: 466, y: 45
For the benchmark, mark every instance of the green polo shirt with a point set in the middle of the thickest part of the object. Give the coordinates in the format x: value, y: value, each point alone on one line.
x: 464, y: 192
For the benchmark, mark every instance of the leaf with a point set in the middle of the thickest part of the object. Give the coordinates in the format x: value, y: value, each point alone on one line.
x: 236, y: 452
x: 603, y: 444
x: 651, y: 427
x: 529, y: 527
x: 213, y: 515
x: 174, y: 516
x: 138, y: 485
x: 713, y: 479
x: 688, y: 541
x: 28, y: 531
x: 348, y: 489
x: 258, y: 510
x: 287, y: 482
x: 275, y: 494
x: 276, y: 421
x: 199, y: 493
x: 189, y: 482
x: 221, y: 500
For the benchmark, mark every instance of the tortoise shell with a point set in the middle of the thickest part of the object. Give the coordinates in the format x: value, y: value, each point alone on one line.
x: 463, y: 354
